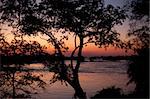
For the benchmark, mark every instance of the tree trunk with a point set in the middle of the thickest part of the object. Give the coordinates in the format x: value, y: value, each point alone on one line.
x: 13, y: 81
x: 79, y: 93
x: 76, y: 84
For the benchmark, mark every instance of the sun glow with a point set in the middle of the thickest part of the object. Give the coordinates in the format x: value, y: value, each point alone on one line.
x: 90, y: 50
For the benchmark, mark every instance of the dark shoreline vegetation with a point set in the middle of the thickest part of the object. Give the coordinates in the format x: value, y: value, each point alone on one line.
x: 14, y: 59
x: 138, y: 72
x: 116, y: 93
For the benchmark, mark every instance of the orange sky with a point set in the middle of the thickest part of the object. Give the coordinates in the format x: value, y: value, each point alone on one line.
x: 90, y: 50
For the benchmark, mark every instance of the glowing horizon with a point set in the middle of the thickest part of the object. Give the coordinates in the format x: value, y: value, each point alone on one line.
x: 90, y: 50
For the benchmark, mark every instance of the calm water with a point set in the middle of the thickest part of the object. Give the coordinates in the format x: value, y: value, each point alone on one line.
x: 94, y: 76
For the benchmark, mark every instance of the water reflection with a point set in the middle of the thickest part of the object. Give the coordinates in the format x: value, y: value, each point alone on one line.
x: 92, y: 77
x: 15, y: 83
x: 91, y: 83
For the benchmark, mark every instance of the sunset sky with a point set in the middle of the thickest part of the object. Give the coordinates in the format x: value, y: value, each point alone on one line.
x: 90, y: 50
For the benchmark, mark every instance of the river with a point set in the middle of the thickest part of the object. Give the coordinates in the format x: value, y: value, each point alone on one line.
x: 93, y: 76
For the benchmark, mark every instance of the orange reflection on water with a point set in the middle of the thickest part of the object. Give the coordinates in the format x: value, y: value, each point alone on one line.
x: 93, y: 82
x: 90, y: 82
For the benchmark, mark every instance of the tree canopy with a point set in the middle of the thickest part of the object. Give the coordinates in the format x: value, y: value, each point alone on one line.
x: 85, y: 18
x: 89, y: 20
x: 138, y: 70
x: 139, y: 24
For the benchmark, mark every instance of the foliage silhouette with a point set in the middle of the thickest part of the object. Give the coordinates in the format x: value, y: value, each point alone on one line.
x: 18, y: 84
x: 110, y: 92
x: 138, y: 70
x: 138, y: 73
x: 90, y: 21
x: 15, y: 83
x: 114, y: 92
x: 139, y: 24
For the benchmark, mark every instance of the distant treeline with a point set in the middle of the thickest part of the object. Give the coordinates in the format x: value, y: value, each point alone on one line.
x: 111, y: 57
x: 25, y: 59
x: 37, y: 58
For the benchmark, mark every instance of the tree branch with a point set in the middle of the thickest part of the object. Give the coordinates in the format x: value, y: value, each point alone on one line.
x: 76, y: 70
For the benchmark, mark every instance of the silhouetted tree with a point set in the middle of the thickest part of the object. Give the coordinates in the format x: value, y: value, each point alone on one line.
x: 18, y: 84
x: 15, y: 83
x: 110, y: 92
x: 90, y: 21
x: 139, y: 24
x: 138, y: 70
